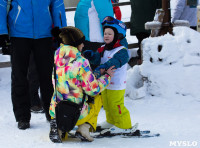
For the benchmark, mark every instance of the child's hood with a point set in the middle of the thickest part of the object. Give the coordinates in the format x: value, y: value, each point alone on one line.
x: 65, y: 54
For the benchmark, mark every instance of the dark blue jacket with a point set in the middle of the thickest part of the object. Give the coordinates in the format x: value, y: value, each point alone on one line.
x: 118, y: 60
x: 32, y: 18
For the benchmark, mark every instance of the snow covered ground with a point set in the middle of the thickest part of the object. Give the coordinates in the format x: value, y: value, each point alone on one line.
x: 162, y: 96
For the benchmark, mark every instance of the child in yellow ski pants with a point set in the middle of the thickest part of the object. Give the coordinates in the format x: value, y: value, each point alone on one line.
x: 116, y: 113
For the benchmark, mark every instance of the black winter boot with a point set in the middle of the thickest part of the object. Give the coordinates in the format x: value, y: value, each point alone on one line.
x: 55, y: 134
x: 48, y: 117
x: 23, y: 125
x: 37, y: 109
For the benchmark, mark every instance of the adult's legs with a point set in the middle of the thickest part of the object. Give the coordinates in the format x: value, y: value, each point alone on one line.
x: 20, y: 54
x: 43, y: 55
x: 33, y: 83
x: 138, y: 59
x: 140, y: 36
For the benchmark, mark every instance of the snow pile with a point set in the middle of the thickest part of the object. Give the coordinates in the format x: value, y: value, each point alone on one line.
x: 170, y: 66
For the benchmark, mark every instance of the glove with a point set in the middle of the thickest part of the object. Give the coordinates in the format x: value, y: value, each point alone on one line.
x: 56, y: 39
x: 103, y: 66
x: 88, y: 54
x: 97, y: 71
x: 5, y: 44
x: 90, y: 99
x: 3, y: 40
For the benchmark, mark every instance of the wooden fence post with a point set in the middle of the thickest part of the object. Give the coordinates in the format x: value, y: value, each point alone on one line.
x: 166, y: 24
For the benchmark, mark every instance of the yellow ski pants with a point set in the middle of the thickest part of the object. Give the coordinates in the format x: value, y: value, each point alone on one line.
x: 116, y: 113
x: 91, y: 118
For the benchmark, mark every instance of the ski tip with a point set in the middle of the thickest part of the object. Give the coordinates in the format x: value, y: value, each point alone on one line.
x: 150, y: 135
x: 157, y: 135
x: 145, y: 131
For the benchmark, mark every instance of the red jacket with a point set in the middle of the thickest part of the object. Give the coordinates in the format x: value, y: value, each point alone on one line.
x: 117, y: 12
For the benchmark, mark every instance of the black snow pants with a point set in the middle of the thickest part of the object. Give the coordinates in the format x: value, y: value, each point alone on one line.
x: 140, y: 36
x: 34, y: 83
x: 20, y: 57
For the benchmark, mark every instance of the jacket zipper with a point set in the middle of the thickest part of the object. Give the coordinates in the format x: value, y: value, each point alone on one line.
x: 61, y: 19
x: 50, y: 14
x: 33, y: 19
x: 19, y: 10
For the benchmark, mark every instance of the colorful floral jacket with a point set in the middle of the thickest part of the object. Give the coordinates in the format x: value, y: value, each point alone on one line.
x: 74, y: 76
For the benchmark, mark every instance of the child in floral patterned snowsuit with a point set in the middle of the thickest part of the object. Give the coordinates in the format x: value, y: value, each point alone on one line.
x: 73, y: 77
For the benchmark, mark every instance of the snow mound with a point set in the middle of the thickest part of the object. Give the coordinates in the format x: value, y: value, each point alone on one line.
x: 169, y: 66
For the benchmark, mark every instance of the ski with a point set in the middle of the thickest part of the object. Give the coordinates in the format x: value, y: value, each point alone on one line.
x: 136, y: 134
x: 108, y: 133
x: 145, y: 132
x: 143, y: 136
x: 114, y: 130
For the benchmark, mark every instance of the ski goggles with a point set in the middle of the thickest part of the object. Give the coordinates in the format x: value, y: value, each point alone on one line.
x: 112, y: 20
x: 109, y: 20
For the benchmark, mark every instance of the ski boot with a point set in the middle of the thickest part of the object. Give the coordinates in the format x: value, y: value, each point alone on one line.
x: 118, y: 131
x: 103, y: 126
x: 83, y: 133
x: 55, y: 134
